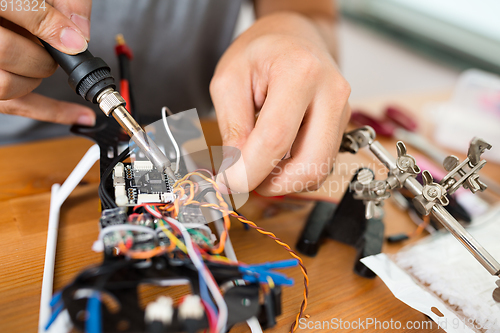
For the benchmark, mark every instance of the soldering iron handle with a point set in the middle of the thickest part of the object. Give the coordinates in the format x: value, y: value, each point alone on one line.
x: 67, y: 62
x: 88, y: 75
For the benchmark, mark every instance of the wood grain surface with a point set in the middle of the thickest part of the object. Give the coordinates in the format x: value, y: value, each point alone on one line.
x: 30, y: 169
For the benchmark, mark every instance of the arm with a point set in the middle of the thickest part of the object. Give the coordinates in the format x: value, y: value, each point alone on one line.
x: 322, y: 13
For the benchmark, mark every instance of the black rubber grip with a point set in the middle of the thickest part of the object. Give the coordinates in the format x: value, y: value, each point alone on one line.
x: 88, y: 75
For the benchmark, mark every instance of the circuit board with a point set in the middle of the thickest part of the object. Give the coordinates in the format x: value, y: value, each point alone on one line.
x: 139, y: 182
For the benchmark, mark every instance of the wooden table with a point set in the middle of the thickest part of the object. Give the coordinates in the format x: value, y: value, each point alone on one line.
x: 31, y: 169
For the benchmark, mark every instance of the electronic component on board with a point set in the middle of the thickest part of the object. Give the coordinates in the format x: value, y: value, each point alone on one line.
x: 113, y: 216
x: 191, y: 215
x: 139, y: 183
x: 155, y: 243
x: 142, y: 165
x: 149, y: 234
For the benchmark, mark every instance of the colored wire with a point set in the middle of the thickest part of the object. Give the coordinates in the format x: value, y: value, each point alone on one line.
x: 303, y: 306
x: 205, y: 170
x: 126, y: 227
x: 152, y: 210
x: 186, y: 190
x: 172, y: 139
x: 205, y: 295
x: 225, y: 211
x: 204, y: 192
x: 223, y: 205
x: 172, y: 237
x: 199, y: 234
x: 263, y: 231
x: 191, y: 227
x: 93, y: 322
x: 212, y: 316
x: 140, y: 254
x: 201, y: 267
x: 197, y: 226
x: 426, y: 219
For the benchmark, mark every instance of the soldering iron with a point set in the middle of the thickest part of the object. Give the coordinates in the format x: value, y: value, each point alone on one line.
x: 90, y: 77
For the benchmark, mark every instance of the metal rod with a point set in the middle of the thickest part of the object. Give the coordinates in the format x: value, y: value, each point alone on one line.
x: 383, y: 155
x: 412, y: 185
x: 148, y: 146
x: 443, y: 216
x: 421, y: 143
x: 466, y: 239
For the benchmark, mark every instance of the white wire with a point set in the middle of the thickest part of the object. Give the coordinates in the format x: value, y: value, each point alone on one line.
x: 126, y: 227
x: 168, y: 282
x: 176, y: 146
x: 200, y: 266
x: 254, y: 325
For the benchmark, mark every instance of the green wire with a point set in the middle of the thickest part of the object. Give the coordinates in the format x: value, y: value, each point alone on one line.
x: 202, y: 236
x: 192, y: 231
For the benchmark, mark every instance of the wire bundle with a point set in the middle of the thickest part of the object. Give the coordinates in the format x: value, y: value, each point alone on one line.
x: 223, y: 208
x: 189, y: 192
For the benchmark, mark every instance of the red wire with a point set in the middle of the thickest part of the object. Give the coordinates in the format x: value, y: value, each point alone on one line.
x: 212, y: 319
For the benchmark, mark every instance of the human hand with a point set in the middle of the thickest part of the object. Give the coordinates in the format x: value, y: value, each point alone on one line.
x: 282, y: 68
x: 65, y: 25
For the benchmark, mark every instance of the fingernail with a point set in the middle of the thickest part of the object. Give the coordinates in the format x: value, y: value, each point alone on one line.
x: 220, y: 184
x: 86, y: 120
x: 83, y: 23
x: 72, y: 40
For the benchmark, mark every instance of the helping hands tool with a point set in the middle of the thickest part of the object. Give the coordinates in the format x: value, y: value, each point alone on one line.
x: 431, y: 197
x: 91, y: 78
x: 397, y: 124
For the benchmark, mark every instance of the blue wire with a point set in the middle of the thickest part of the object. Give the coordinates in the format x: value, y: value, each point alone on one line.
x: 56, y: 298
x: 93, y: 324
x: 54, y: 315
x: 204, y: 293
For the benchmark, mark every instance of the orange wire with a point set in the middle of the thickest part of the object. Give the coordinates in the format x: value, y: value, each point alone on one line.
x: 222, y: 207
x: 222, y: 203
x: 225, y: 213
x: 145, y: 254
x: 303, y: 306
x: 283, y: 244
x: 426, y: 219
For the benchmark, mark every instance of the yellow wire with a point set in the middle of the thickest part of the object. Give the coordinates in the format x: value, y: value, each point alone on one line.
x: 270, y: 282
x: 222, y: 258
x: 191, y: 192
x: 173, y: 238
x: 223, y: 207
x: 285, y: 245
